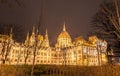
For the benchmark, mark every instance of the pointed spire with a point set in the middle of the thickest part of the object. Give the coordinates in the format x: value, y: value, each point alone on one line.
x: 64, y: 27
x: 46, y: 35
x: 27, y: 38
x: 11, y: 33
x: 45, y: 43
x: 46, y: 32
x: 37, y: 31
x: 33, y: 31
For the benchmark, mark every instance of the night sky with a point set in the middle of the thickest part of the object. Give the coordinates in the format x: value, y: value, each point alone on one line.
x: 77, y: 14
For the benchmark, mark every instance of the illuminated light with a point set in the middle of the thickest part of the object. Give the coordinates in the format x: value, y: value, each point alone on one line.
x: 80, y: 52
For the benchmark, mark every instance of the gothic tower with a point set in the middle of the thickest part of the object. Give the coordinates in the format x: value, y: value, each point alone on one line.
x: 11, y: 35
x: 46, y: 40
x: 32, y: 37
x: 27, y: 41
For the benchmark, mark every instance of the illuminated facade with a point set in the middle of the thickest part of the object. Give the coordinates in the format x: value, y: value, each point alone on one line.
x: 65, y: 52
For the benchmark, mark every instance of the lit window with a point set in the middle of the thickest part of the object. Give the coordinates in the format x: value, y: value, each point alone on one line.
x: 15, y: 60
x: 28, y: 60
x: 20, y: 60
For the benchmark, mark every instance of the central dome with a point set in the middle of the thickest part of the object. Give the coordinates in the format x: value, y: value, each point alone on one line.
x: 64, y: 39
x: 64, y: 34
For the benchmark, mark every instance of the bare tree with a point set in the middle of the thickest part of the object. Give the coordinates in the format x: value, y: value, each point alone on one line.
x: 19, y: 54
x: 107, y: 23
x: 3, y: 44
x: 27, y: 48
x: 34, y: 54
x: 27, y: 53
x: 114, y: 19
x: 6, y: 47
x: 7, y: 38
x: 36, y: 38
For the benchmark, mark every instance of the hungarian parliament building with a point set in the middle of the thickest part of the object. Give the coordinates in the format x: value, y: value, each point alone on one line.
x: 36, y: 48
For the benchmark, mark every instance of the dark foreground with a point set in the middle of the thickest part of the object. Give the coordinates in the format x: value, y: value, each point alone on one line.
x: 45, y: 70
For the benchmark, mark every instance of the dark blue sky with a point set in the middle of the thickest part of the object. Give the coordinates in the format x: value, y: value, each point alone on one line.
x: 77, y: 15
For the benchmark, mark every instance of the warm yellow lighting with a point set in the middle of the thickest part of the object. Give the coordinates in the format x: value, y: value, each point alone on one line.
x: 65, y: 52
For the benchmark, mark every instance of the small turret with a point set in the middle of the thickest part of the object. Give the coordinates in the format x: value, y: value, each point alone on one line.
x: 27, y: 39
x: 11, y: 36
x: 46, y: 35
x: 32, y: 37
x: 46, y: 40
x: 33, y: 31
x: 64, y: 27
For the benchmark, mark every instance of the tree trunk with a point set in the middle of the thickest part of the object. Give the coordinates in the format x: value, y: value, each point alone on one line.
x: 27, y: 54
x: 98, y: 52
x: 32, y: 71
x: 25, y: 60
x: 34, y: 55
x: 6, y: 51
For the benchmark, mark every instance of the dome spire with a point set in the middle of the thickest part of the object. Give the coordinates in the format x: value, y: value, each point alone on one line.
x: 33, y: 31
x: 64, y: 27
x: 46, y: 34
x: 27, y: 37
x: 11, y: 30
x: 45, y: 43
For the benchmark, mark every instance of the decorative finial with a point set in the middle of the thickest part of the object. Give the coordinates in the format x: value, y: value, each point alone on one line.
x: 27, y: 35
x: 64, y: 28
x: 11, y: 36
x: 37, y: 31
x: 33, y: 31
x: 11, y: 30
x: 27, y: 39
x: 46, y: 35
x: 46, y: 32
